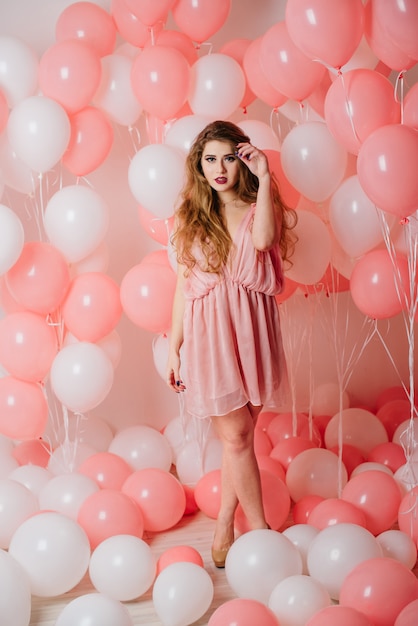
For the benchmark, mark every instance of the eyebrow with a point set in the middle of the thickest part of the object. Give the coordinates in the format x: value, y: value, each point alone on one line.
x: 224, y: 155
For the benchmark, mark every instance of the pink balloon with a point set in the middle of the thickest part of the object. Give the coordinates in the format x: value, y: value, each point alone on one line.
x: 160, y: 80
x: 379, y: 588
x: 386, y: 169
x: 408, y: 514
x: 336, y: 511
x: 207, y: 493
x: 351, y: 456
x: 384, y: 48
x: 40, y: 278
x: 200, y: 19
x: 129, y: 26
x: 268, y: 464
x: 410, y: 107
x: 408, y: 615
x: 237, y: 49
x: 109, y: 512
x: 286, y: 425
x: 341, y: 615
x: 23, y: 409
x: 108, y: 470
x: 390, y: 393
x: 365, y: 491
x: 28, y: 345
x: 357, y: 103
x: 288, y: 449
x: 399, y: 22
x: 157, y: 228
x: 243, y: 612
x: 90, y: 142
x: 374, y: 284
x: 69, y: 73
x: 390, y: 454
x: 257, y: 80
x: 180, y: 41
x: 326, y: 31
x: 89, y: 23
x: 288, y: 69
x: 159, y: 495
x: 147, y: 293
x: 304, y: 507
x: 92, y: 306
x: 150, y: 11
x: 276, y: 501
x: 178, y: 554
x: 33, y: 452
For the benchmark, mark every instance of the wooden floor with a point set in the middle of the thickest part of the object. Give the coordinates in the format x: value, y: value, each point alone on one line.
x: 196, y: 531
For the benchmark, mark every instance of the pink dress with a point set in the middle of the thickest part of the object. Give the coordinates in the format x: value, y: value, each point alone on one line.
x: 233, y: 351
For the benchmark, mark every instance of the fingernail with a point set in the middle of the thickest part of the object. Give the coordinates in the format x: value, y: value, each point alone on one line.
x: 178, y: 383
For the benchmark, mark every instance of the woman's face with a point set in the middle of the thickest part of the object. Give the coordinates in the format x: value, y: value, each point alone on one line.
x: 220, y: 166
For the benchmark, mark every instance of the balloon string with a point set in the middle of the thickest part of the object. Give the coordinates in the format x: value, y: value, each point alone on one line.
x: 348, y: 107
x: 399, y: 87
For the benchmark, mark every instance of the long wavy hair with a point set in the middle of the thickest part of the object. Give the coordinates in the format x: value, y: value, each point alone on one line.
x: 198, y: 217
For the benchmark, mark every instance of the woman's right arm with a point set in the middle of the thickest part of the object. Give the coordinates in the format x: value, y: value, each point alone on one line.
x: 176, y: 334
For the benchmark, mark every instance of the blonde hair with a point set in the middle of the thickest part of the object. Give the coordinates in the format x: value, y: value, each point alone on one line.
x: 198, y: 217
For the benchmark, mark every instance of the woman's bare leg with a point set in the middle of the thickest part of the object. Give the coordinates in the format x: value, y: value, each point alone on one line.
x: 240, y: 474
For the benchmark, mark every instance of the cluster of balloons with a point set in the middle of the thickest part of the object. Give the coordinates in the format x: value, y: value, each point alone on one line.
x: 335, y: 548
x: 347, y: 163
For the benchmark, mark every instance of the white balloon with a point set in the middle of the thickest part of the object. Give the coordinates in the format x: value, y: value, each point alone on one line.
x: 76, y: 220
x: 312, y: 251
x: 12, y: 238
x: 94, y: 609
x: 327, y: 399
x: 53, y: 550
x: 33, y: 477
x: 260, y: 134
x: 114, y: 95
x: 16, y: 173
x: 155, y: 178
x: 39, y: 131
x: 301, y: 535
x: 355, y: 218
x: 313, y: 161
x: 217, y: 86
x: 335, y: 552
x: 18, y: 70
x: 258, y: 560
x: 123, y: 567
x: 297, y: 598
x: 91, y: 430
x: 81, y: 376
x: 65, y: 493
x: 68, y: 457
x: 197, y: 458
x: 17, y: 503
x: 182, y: 593
x: 182, y: 133
x: 15, y: 597
x: 142, y: 447
x: 398, y: 545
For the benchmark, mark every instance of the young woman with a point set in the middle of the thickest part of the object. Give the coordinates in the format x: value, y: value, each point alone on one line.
x: 231, y: 237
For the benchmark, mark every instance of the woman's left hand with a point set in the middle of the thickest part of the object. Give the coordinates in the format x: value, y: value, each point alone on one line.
x: 254, y: 159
